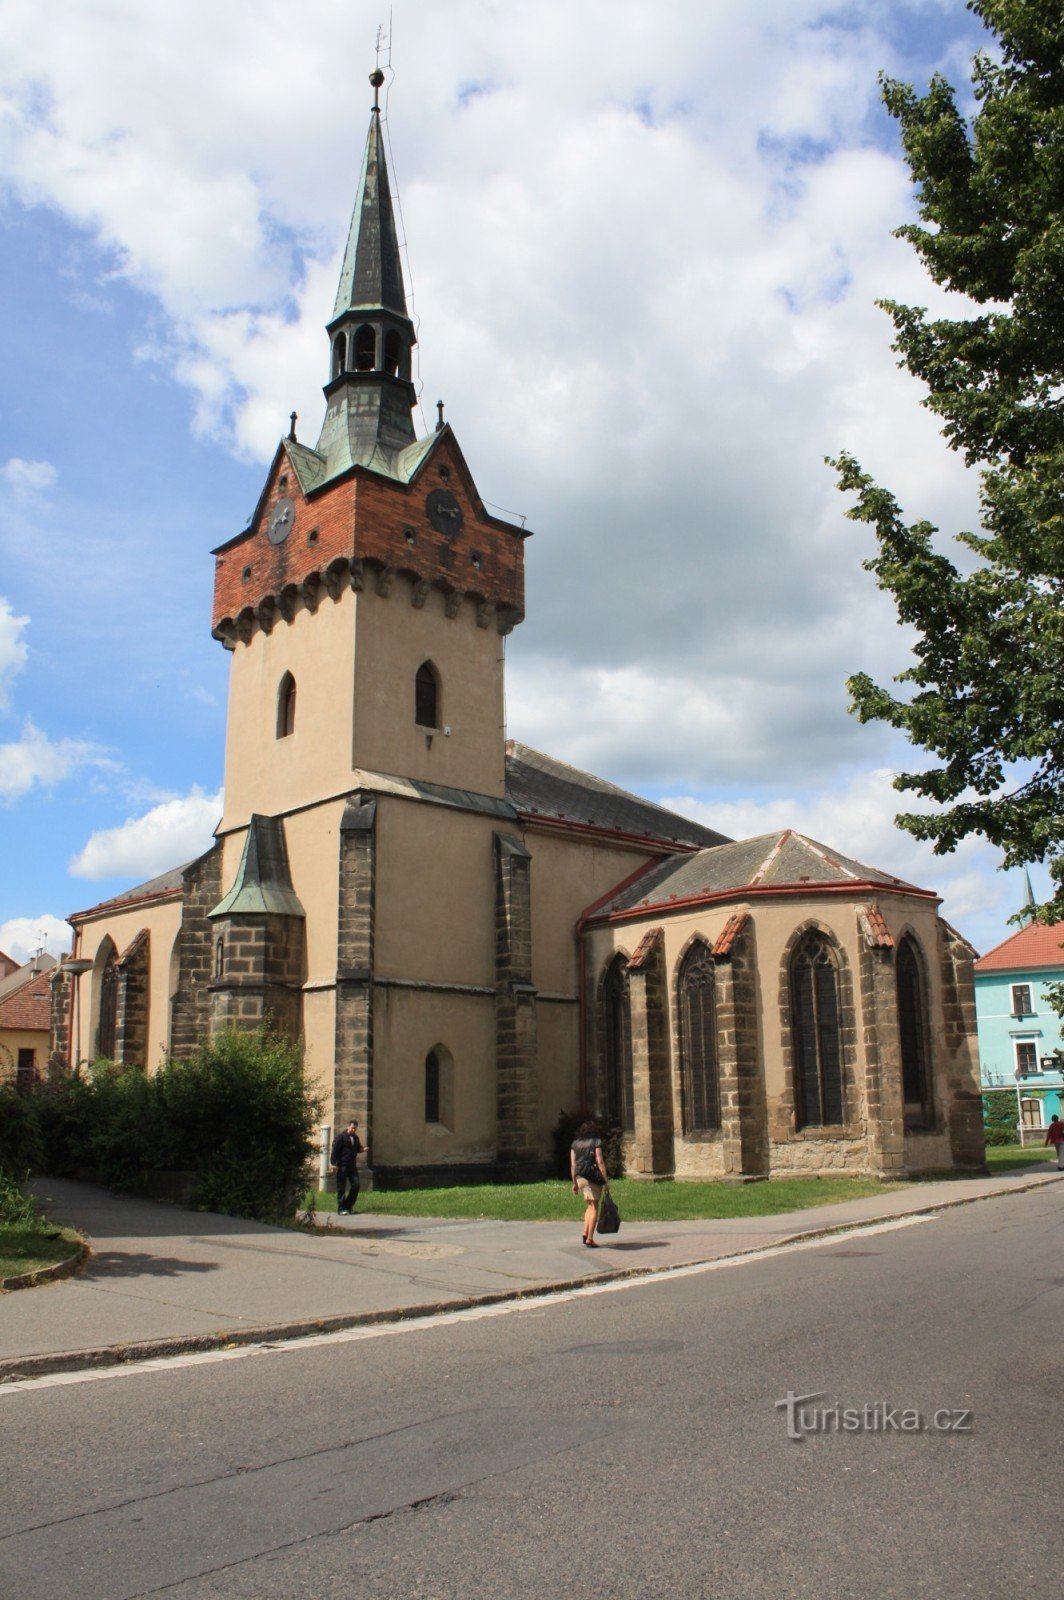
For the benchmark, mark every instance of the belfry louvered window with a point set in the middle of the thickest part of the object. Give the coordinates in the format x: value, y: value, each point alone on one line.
x: 816, y: 1034
x: 620, y: 1095
x: 698, y: 1041
x: 912, y: 1028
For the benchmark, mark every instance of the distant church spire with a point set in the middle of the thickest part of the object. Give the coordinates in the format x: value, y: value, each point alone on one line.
x: 1029, y: 909
x: 370, y: 394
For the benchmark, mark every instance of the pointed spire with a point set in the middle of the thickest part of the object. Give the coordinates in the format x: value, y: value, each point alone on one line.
x: 371, y: 278
x: 370, y: 394
x: 1029, y: 909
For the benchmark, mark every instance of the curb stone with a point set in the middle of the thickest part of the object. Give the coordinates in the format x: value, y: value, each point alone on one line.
x: 18, y: 1368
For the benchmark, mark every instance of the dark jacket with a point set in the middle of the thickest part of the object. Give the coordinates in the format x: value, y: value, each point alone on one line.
x: 346, y: 1146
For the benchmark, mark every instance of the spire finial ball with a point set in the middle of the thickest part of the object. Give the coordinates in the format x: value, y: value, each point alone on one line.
x: 376, y: 77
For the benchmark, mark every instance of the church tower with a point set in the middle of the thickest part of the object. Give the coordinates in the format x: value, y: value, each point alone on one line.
x: 366, y: 603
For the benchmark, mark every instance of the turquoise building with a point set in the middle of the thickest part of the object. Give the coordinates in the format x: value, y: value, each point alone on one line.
x: 1021, y: 1038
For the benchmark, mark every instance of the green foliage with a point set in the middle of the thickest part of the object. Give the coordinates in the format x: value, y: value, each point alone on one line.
x: 237, y: 1118
x: 17, y: 1210
x: 20, y: 1146
x: 999, y: 1116
x: 985, y: 695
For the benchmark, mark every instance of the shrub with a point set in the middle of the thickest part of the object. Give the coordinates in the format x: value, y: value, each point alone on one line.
x: 20, y: 1144
x: 17, y: 1210
x: 999, y: 1116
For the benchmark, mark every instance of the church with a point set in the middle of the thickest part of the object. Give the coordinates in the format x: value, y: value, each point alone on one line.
x: 469, y: 936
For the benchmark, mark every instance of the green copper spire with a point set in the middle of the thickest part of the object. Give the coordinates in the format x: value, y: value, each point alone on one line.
x: 370, y: 394
x: 263, y: 880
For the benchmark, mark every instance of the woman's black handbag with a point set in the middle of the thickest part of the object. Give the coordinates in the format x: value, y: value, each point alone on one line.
x: 609, y: 1219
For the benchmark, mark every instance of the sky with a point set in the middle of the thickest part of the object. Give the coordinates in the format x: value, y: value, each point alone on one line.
x: 643, y: 250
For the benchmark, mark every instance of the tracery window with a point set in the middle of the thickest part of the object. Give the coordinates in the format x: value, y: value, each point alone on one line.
x: 698, y: 1041
x: 106, y: 1030
x: 620, y: 1096
x: 912, y: 1027
x: 816, y: 1033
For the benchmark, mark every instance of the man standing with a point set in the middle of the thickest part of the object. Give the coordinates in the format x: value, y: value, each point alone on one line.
x: 347, y: 1147
x: 1055, y: 1137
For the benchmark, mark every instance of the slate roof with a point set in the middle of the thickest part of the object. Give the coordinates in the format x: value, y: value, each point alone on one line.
x: 1038, y: 946
x: 770, y: 861
x: 167, y: 883
x: 539, y: 786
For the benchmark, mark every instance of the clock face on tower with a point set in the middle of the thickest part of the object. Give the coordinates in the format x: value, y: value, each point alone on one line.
x: 282, y: 521
x: 443, y: 511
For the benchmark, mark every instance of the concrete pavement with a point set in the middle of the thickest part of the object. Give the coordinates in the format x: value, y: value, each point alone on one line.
x: 162, y: 1279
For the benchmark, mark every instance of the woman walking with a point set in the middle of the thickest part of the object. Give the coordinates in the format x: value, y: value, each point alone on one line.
x: 587, y: 1169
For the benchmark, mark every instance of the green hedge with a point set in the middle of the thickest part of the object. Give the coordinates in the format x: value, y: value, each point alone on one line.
x: 238, y: 1118
x: 999, y: 1116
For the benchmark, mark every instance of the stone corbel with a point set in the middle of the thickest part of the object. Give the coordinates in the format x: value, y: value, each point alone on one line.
x: 358, y: 574
x: 266, y: 612
x: 311, y: 588
x: 225, y: 633
x: 385, y: 579
x: 245, y: 625
x: 336, y: 577
x: 419, y: 593
x: 483, y: 613
x: 288, y: 601
x: 507, y: 618
x: 452, y: 602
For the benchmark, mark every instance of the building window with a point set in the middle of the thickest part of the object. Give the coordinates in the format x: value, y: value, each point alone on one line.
x: 26, y: 1069
x: 286, y: 706
x: 620, y: 1096
x: 816, y: 1033
x: 365, y: 349
x: 912, y: 1027
x: 698, y: 1041
x: 339, y: 354
x: 107, y: 1027
x: 219, y: 956
x: 1031, y: 1113
x: 1026, y: 1056
x: 1021, y: 1000
x: 439, y: 1087
x: 392, y: 352
x: 427, y: 696
x: 432, y: 1087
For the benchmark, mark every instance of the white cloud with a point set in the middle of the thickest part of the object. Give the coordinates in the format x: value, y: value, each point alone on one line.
x: 169, y: 834
x: 13, y: 650
x: 22, y: 937
x: 28, y: 479
x: 35, y: 760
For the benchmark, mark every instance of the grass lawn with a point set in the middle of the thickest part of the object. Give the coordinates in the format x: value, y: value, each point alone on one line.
x: 1003, y: 1157
x: 554, y: 1201
x: 29, y: 1247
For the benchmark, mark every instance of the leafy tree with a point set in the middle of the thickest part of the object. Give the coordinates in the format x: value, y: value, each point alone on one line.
x: 985, y: 694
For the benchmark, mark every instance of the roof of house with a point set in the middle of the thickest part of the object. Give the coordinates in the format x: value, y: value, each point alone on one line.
x: 784, y: 860
x: 1039, y: 945
x: 25, y: 997
x: 537, y: 786
x: 166, y: 884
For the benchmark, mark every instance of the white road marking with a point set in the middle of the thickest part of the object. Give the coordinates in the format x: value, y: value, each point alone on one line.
x: 445, y: 1319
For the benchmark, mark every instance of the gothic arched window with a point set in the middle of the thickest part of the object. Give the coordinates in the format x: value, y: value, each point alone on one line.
x: 392, y: 351
x: 912, y: 1027
x: 620, y: 1095
x: 339, y: 354
x: 698, y: 1041
x: 286, y: 706
x: 365, y: 349
x: 816, y: 1033
x: 107, y: 1028
x: 427, y: 696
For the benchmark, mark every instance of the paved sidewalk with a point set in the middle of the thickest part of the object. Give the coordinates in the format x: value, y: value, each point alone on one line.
x: 161, y: 1278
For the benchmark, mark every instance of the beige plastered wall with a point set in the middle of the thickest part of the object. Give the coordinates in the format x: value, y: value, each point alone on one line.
x: 775, y: 925
x: 162, y: 920
x: 394, y: 638
x: 407, y: 1024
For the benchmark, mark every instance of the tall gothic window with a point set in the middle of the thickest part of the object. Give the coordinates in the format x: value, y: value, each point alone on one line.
x: 698, y: 1041
x: 286, y: 706
x: 339, y: 354
x: 620, y: 1096
x: 107, y: 1027
x: 426, y: 696
x: 392, y: 350
x: 816, y: 1033
x: 432, y: 1087
x: 912, y: 1026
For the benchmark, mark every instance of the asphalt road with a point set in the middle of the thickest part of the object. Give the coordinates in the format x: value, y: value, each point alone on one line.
x: 619, y: 1442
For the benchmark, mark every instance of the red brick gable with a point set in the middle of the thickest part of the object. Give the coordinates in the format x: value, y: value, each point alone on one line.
x: 364, y: 518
